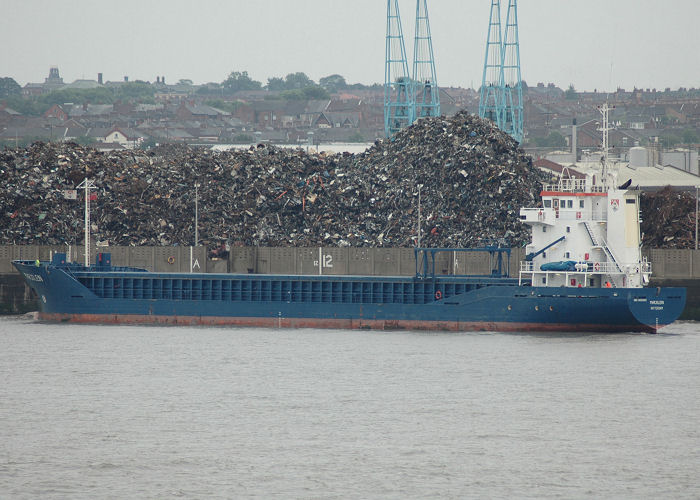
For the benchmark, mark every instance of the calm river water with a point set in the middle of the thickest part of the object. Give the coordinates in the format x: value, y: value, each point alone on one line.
x: 150, y: 412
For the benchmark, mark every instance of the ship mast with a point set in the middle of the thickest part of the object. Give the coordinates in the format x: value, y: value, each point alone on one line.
x: 87, y: 184
x: 605, y: 111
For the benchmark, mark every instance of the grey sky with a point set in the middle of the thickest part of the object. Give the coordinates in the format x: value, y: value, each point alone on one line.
x: 593, y: 43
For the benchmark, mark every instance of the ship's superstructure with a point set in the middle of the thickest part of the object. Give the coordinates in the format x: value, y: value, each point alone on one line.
x: 585, y: 236
x: 586, y: 233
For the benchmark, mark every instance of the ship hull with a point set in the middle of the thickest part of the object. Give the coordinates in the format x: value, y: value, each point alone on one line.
x: 345, y: 324
x: 347, y: 302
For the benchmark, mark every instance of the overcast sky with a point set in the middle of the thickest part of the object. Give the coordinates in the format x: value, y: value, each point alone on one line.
x: 594, y: 44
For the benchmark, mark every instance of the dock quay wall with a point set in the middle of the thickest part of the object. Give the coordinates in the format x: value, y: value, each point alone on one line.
x: 670, y: 267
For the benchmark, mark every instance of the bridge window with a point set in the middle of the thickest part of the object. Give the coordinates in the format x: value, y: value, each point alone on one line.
x: 547, y: 203
x: 581, y: 204
x: 569, y: 203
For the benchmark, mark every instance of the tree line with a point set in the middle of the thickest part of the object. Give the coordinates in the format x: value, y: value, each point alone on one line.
x: 11, y: 94
x: 294, y: 86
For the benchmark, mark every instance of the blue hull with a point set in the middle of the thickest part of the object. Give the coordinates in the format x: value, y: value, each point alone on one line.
x: 443, y: 303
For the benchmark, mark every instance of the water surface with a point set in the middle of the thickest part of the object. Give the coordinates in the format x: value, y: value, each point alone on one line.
x: 154, y: 412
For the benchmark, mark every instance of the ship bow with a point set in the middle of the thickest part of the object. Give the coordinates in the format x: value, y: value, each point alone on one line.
x: 657, y: 307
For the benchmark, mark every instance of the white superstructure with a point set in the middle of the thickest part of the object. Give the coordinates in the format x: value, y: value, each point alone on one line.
x: 586, y: 233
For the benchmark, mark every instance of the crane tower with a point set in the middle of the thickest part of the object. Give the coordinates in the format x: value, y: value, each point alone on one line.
x: 512, y: 109
x: 399, y: 101
x: 427, y: 93
x: 501, y: 98
x: 491, y: 96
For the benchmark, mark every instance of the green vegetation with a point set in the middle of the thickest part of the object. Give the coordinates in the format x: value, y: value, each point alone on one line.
x: 132, y: 92
x: 211, y: 88
x: 9, y: 87
x: 275, y: 83
x: 135, y: 91
x: 101, y: 95
x: 293, y: 86
x: 553, y: 140
x: 570, y: 93
x: 333, y: 83
x: 293, y: 81
x: 310, y: 92
x: 690, y: 136
x: 127, y: 92
x: 228, y: 106
x: 238, y: 80
x: 27, y: 106
x: 298, y: 81
x: 356, y: 137
x: 669, y: 140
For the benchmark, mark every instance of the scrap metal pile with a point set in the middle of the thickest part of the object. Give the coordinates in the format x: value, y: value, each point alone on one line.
x: 472, y: 179
x: 668, y: 219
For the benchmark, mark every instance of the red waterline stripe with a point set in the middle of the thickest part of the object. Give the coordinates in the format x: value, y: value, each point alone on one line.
x: 346, y: 324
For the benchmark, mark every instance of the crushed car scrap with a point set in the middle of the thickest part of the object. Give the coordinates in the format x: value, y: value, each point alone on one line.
x: 471, y: 178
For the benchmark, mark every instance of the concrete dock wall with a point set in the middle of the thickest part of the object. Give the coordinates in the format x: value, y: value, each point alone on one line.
x: 266, y: 260
x: 666, y: 264
x: 357, y: 261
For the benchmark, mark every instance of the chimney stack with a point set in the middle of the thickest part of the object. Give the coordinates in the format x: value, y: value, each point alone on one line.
x: 574, y: 140
x: 126, y: 78
x: 99, y: 78
x: 162, y: 80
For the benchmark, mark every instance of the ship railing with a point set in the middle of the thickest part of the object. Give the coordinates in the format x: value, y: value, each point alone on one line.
x: 567, y: 186
x: 592, y: 267
x: 573, y: 186
x: 550, y: 215
x: 537, y: 215
x: 579, y: 215
x: 527, y: 266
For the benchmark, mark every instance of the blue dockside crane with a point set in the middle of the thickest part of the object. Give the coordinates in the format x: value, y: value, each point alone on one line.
x: 512, y: 109
x: 501, y: 88
x: 399, y: 99
x: 427, y: 93
x: 491, y: 98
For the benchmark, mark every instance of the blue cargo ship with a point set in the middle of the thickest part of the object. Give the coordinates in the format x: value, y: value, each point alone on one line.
x: 584, y: 271
x: 108, y: 294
